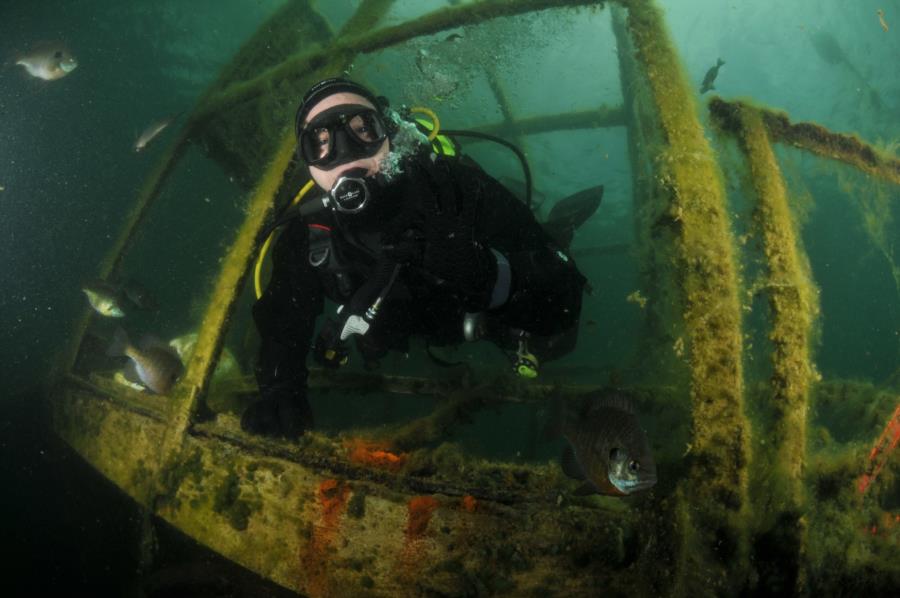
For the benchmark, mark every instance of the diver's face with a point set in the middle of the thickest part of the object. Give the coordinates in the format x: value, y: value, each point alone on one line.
x: 326, y: 178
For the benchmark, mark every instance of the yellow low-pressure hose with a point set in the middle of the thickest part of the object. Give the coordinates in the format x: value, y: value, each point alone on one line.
x: 434, y: 120
x: 257, y: 271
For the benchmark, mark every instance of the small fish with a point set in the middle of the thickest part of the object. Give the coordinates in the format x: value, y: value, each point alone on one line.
x: 155, y: 364
x: 881, y: 20
x: 710, y: 77
x: 104, y: 298
x: 152, y: 130
x: 422, y: 58
x: 48, y: 62
x: 453, y: 37
x: 606, y: 447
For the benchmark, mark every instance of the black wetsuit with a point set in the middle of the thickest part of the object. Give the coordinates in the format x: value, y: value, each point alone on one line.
x: 544, y: 297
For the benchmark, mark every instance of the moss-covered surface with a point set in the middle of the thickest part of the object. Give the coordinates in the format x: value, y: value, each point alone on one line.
x: 227, y: 502
x: 812, y: 137
x: 713, y: 554
x: 793, y: 304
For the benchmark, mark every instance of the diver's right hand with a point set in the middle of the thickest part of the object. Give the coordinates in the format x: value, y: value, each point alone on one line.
x: 279, y: 414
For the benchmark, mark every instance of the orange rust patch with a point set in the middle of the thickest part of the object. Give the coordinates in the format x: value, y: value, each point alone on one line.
x: 469, y: 503
x: 332, y: 498
x: 419, y: 511
x: 372, y: 454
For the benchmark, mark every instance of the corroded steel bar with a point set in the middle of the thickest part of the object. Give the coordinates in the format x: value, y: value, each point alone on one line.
x: 715, y: 492
x: 793, y: 306
x: 603, y: 116
x: 435, y: 22
x: 812, y: 137
x: 192, y: 387
x: 654, y: 241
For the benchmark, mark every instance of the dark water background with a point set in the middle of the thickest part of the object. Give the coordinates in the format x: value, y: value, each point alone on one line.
x: 70, y: 178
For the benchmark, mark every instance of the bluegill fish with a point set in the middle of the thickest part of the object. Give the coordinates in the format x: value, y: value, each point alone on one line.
x: 607, y: 448
x: 710, y: 78
x: 104, y: 298
x: 155, y: 364
x: 48, y: 62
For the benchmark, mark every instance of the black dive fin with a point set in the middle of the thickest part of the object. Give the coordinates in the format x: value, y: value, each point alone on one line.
x: 570, y: 465
x: 571, y: 212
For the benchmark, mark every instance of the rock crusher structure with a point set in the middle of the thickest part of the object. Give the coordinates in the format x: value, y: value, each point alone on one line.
x: 390, y: 516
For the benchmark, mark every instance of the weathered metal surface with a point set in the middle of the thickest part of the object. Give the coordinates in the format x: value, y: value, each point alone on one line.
x: 693, y: 210
x: 311, y: 519
x: 793, y: 305
x: 601, y: 117
x: 812, y: 137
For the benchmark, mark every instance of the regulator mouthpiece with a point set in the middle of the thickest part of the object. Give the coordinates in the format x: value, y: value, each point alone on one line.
x: 350, y: 193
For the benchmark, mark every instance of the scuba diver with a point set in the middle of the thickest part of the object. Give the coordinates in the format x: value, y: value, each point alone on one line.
x: 406, y: 242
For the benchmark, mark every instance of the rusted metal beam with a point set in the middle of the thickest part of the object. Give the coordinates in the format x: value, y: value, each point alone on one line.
x: 602, y: 117
x: 812, y: 137
x: 793, y: 306
x: 691, y: 212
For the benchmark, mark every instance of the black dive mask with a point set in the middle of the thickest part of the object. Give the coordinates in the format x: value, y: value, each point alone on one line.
x: 340, y: 135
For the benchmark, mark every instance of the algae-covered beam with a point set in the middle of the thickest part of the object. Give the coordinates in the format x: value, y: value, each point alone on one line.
x: 714, y: 549
x: 661, y: 324
x: 192, y: 387
x: 601, y: 117
x: 812, y: 137
x: 508, y: 389
x: 793, y: 307
x: 350, y: 45
x: 330, y: 457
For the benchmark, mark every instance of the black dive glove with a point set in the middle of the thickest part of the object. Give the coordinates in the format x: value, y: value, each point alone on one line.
x: 452, y: 253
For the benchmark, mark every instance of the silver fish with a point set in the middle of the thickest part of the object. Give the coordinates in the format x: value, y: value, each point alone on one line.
x: 607, y: 448
x: 155, y: 364
x: 152, y: 130
x: 48, y: 62
x: 104, y: 298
